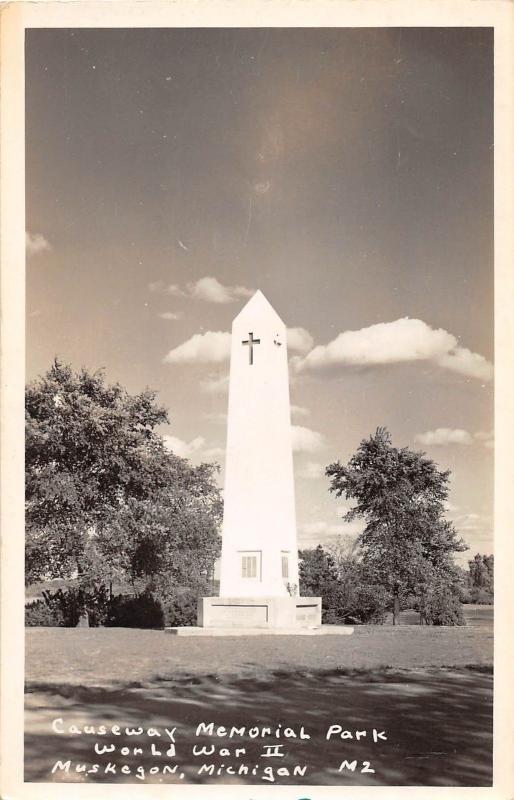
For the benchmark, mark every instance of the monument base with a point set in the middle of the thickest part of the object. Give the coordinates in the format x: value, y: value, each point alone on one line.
x: 259, y: 612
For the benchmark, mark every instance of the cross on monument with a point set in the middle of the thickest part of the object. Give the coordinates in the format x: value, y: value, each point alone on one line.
x: 250, y: 342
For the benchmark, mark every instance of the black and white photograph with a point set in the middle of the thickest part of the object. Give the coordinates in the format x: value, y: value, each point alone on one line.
x: 259, y: 406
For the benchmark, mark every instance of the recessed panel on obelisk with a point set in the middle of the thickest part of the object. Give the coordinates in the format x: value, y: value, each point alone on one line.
x: 259, y: 560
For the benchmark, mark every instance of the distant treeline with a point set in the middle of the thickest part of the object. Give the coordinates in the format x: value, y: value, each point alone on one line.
x: 479, y: 581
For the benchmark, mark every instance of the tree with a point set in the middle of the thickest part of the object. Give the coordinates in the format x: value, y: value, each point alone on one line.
x: 345, y: 552
x: 406, y: 543
x: 346, y: 597
x: 318, y: 578
x: 317, y: 571
x: 169, y: 540
x: 480, y: 579
x: 105, y: 499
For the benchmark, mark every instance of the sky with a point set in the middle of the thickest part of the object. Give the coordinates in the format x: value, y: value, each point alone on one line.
x: 346, y: 173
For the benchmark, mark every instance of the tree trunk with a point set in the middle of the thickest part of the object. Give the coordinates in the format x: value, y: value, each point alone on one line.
x: 396, y: 609
x: 396, y: 603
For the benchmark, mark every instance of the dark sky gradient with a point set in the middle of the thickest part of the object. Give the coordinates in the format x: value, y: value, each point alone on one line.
x: 348, y: 173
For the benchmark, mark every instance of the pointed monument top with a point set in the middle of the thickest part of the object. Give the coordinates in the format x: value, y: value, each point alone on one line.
x: 258, y: 304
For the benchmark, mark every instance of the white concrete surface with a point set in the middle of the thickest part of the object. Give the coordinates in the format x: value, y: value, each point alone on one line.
x: 259, y: 523
x: 259, y: 612
x: 323, y: 630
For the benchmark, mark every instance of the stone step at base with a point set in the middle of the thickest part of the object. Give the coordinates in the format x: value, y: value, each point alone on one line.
x: 322, y: 630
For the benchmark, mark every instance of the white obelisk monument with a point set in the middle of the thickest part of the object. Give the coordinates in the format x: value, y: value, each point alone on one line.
x: 259, y: 555
x: 259, y: 561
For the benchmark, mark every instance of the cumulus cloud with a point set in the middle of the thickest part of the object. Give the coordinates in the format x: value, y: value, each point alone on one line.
x: 384, y: 343
x: 160, y: 287
x: 305, y: 440
x: 173, y: 315
x: 443, y: 436
x: 36, y: 243
x: 448, y: 436
x: 462, y: 360
x: 215, y: 384
x: 311, y: 471
x: 214, y: 454
x: 477, y: 530
x: 486, y: 437
x: 321, y: 530
x: 175, y: 290
x: 403, y: 340
x: 320, y: 527
x: 211, y: 290
x: 202, y: 348
x: 207, y: 289
x: 470, y: 522
x: 197, y: 448
x: 182, y: 448
x: 157, y: 286
x: 299, y: 340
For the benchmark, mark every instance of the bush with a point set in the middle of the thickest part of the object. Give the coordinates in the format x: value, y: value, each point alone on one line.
x: 65, y: 607
x: 40, y: 614
x: 181, y: 609
x: 370, y: 604
x: 334, y: 603
x: 480, y: 597
x: 348, y: 595
x: 348, y: 604
x: 135, y: 611
x: 439, y: 606
x: 70, y: 604
x: 464, y: 596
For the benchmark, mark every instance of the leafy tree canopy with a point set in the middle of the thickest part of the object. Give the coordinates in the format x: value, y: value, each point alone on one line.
x: 479, y: 580
x: 104, y: 496
x: 481, y: 572
x: 406, y: 543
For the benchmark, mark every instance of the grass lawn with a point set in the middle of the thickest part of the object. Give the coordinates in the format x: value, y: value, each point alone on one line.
x: 428, y: 689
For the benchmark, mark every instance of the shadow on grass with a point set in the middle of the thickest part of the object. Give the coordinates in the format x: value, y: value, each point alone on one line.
x: 438, y: 724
